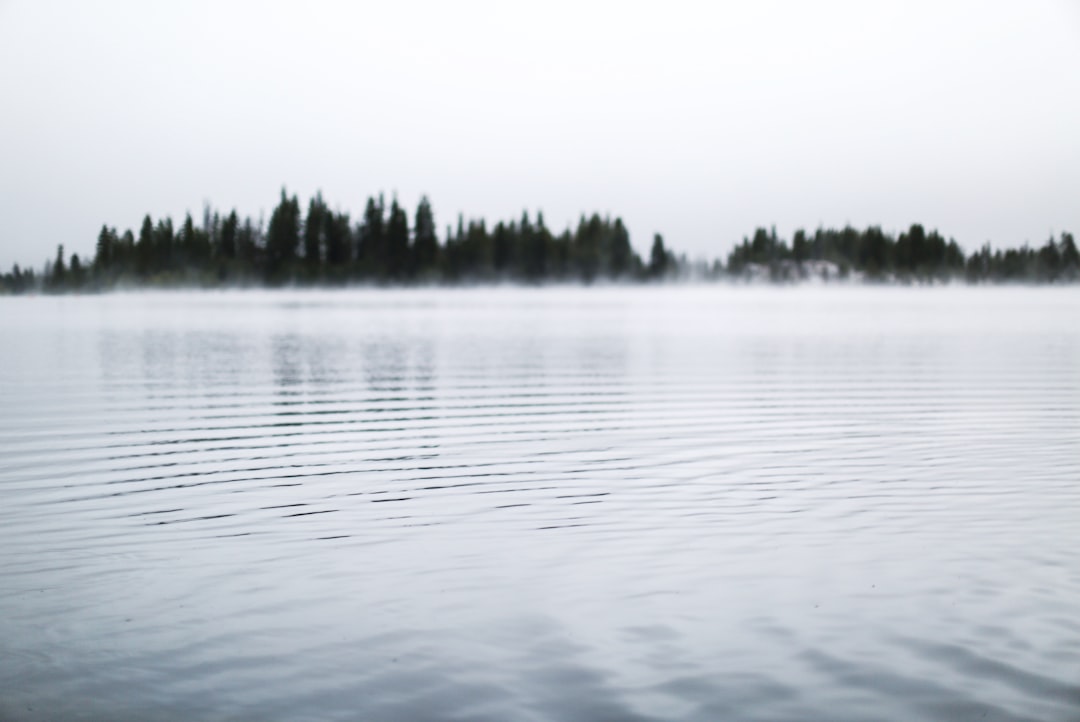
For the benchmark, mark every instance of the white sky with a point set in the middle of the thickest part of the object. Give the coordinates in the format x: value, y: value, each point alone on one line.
x: 699, y: 120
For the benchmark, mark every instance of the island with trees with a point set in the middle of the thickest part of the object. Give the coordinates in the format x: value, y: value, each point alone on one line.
x: 320, y: 246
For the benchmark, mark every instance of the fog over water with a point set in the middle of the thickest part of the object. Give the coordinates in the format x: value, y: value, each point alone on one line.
x: 653, y: 503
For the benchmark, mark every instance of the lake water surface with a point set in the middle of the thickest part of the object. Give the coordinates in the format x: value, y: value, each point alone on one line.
x: 541, y: 504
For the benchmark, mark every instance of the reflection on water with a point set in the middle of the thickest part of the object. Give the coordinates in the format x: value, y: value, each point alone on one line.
x: 541, y: 504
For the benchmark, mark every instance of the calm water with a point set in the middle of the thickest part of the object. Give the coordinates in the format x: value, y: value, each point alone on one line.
x: 554, y: 504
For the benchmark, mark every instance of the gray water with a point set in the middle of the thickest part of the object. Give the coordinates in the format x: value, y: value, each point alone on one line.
x: 546, y: 504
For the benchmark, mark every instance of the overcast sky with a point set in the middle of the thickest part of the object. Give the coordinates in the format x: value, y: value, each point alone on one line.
x: 699, y: 120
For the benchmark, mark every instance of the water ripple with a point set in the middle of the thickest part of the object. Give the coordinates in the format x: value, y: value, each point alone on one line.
x: 662, y: 504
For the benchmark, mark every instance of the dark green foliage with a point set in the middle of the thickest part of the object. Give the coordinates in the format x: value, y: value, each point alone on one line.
x: 397, y: 243
x: 145, y: 249
x: 164, y: 238
x: 535, y: 250
x: 661, y: 261
x: 338, y: 241
x: 425, y: 248
x: 247, y: 245
x: 500, y: 249
x: 873, y: 252
x: 58, y: 277
x: 18, y: 280
x: 914, y: 256
x: 76, y: 273
x: 475, y: 251
x: 1070, y: 258
x: 799, y: 246
x: 106, y: 248
x: 322, y: 247
x: 521, y: 255
x: 283, y: 238
x: 621, y: 254
x: 314, y: 233
x: 586, y: 247
x: 194, y: 246
x: 227, y: 238
x: 115, y: 257
x: 764, y: 249
x: 371, y: 240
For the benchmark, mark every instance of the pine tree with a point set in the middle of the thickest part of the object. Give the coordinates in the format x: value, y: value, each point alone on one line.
x: 103, y: 258
x: 59, y: 272
x: 338, y: 241
x: 144, y: 248
x: 621, y: 252
x: 425, y: 249
x: 283, y: 236
x: 799, y: 246
x: 539, y: 249
x: 76, y: 276
x: 246, y: 245
x: 397, y: 242
x: 314, y: 226
x: 1070, y: 257
x: 226, y: 240
x: 500, y: 249
x: 659, y: 258
x: 372, y: 239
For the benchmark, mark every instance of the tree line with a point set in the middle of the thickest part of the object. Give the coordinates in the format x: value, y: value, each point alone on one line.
x: 914, y: 255
x: 322, y: 246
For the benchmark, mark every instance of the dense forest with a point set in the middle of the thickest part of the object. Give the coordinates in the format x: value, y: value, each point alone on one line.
x: 913, y: 256
x: 324, y: 247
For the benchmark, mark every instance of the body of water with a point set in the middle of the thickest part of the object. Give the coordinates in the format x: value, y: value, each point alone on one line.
x: 650, y: 503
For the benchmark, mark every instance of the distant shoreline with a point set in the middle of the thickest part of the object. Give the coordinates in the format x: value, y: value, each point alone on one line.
x: 324, y: 249
x: 727, y: 282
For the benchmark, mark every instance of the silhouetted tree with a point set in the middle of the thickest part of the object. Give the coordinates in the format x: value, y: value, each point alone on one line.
x: 1049, y: 262
x: 587, y: 247
x: 501, y: 249
x: 1070, y: 258
x: 314, y: 231
x: 425, y: 243
x: 247, y: 245
x: 227, y: 239
x: 164, y: 241
x: 338, y: 241
x: 106, y: 242
x: 799, y: 246
x: 76, y: 273
x: 59, y: 271
x: 524, y: 249
x: 145, y: 250
x: 372, y: 239
x: 397, y: 242
x: 622, y: 255
x: 283, y: 236
x: 659, y: 258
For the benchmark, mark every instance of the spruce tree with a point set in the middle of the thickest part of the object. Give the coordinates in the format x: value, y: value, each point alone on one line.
x: 283, y: 237
x: 103, y: 258
x: 338, y: 241
x: 372, y: 239
x: 799, y: 246
x: 659, y: 259
x: 59, y: 272
x: 144, y: 248
x: 425, y: 249
x: 397, y: 242
x: 621, y: 252
x: 1070, y: 257
x: 227, y: 238
x: 314, y: 226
